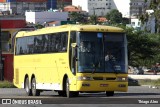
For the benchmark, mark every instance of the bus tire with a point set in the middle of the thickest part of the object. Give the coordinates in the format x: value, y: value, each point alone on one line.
x: 69, y: 94
x: 35, y: 92
x: 109, y: 93
x: 26, y: 87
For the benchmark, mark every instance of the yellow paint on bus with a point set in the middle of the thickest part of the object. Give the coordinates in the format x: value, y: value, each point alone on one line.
x: 40, y: 64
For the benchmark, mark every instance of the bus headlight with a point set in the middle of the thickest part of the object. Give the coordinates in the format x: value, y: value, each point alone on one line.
x: 121, y: 79
x: 80, y: 78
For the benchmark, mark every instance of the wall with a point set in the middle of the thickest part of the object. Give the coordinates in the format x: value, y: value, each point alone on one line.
x: 135, y: 23
x: 8, y: 66
x: 41, y: 17
x: 12, y: 23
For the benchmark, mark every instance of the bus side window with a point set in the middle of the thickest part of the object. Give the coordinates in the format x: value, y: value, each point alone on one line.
x: 64, y: 41
x: 21, y: 50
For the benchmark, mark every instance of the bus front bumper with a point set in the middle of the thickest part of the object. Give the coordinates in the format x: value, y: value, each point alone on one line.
x: 86, y: 86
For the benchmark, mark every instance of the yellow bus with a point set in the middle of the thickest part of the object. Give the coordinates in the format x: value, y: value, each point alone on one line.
x: 71, y: 59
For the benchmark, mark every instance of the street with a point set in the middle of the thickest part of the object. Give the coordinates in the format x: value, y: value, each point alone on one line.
x: 133, y: 92
x: 50, y: 97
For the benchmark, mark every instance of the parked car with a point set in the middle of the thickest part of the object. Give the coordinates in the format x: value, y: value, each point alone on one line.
x: 155, y: 69
x: 138, y: 70
x: 132, y: 82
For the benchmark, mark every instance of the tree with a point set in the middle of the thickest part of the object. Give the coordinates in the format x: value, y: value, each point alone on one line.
x: 38, y: 26
x: 143, y: 48
x: 114, y: 16
x: 93, y: 19
x: 77, y: 17
x: 155, y: 6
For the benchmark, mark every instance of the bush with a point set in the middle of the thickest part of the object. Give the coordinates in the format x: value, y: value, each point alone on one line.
x: 6, y: 84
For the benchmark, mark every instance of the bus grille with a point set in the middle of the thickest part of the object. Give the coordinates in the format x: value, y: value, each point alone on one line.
x: 104, y: 78
x: 17, y: 76
x: 98, y: 78
x: 110, y: 78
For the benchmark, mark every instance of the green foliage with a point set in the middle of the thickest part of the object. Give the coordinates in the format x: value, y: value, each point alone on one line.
x: 39, y: 26
x: 143, y: 48
x: 144, y: 18
x: 155, y: 5
x: 114, y: 16
x: 77, y: 17
x: 93, y: 19
x: 6, y: 84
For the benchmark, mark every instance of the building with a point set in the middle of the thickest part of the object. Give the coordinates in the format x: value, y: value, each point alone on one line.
x: 102, y: 19
x: 94, y: 7
x: 137, y: 8
x: 136, y: 23
x: 43, y: 17
x: 58, y: 4
x: 62, y: 3
x: 71, y: 8
x: 10, y: 25
x: 20, y: 6
x: 102, y: 7
x: 51, y: 4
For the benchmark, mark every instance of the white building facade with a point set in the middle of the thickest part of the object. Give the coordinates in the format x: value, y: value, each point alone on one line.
x: 135, y: 23
x: 43, y: 17
x: 102, y: 7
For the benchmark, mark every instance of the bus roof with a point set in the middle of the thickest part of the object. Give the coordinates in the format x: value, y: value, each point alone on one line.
x: 63, y: 28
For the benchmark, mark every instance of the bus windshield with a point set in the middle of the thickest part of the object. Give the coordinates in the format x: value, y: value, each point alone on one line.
x: 100, y: 52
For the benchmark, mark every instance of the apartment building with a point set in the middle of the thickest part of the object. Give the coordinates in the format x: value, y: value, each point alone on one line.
x: 20, y: 6
x: 102, y: 7
x: 63, y: 3
x: 137, y: 8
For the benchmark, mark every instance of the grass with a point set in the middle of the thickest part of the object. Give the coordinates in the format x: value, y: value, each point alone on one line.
x: 6, y: 84
x: 149, y: 82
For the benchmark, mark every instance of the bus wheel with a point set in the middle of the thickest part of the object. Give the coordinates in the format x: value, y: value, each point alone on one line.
x: 35, y: 92
x: 26, y: 87
x: 109, y: 93
x: 68, y: 92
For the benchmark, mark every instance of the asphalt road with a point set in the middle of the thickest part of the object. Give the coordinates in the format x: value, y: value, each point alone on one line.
x: 135, y: 95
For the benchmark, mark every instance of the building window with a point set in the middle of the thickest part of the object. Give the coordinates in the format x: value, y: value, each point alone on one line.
x: 133, y: 23
x: 5, y: 41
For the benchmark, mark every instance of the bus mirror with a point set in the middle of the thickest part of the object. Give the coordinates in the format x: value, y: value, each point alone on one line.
x: 74, y: 45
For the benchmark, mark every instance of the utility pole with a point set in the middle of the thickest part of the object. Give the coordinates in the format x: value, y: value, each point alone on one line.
x: 95, y: 16
x: 1, y: 70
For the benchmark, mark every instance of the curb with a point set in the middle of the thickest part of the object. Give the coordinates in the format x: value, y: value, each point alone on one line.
x: 151, y: 86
